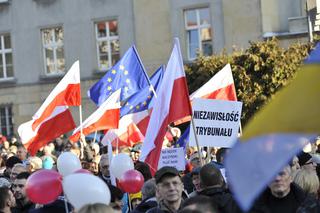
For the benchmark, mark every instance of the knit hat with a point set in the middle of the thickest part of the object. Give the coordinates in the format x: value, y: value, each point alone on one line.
x: 304, y: 158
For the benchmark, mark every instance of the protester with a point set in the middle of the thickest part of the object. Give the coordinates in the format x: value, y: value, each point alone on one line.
x: 148, y: 197
x: 104, y: 172
x: 195, y: 176
x: 187, y: 180
x: 308, y: 181
x: 19, y: 192
x: 16, y: 170
x: 22, y: 153
x: 169, y: 188
x: 34, y: 164
x: 7, y: 200
x: 199, y: 203
x: 96, y: 208
x: 213, y: 186
x: 305, y: 161
x: 283, y: 195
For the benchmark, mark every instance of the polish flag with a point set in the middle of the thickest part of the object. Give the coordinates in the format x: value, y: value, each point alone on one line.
x: 66, y: 93
x: 59, y: 122
x: 131, y: 130
x: 220, y: 86
x: 171, y: 104
x: 105, y: 117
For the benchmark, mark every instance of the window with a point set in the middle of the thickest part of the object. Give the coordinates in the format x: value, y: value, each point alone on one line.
x: 108, y: 49
x: 6, y: 126
x: 52, y: 40
x: 6, y: 64
x: 198, y: 27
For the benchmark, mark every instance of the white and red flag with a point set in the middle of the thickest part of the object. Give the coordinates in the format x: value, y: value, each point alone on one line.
x: 105, y: 117
x: 66, y: 93
x: 53, y: 118
x: 171, y: 104
x: 220, y: 86
x: 59, y: 122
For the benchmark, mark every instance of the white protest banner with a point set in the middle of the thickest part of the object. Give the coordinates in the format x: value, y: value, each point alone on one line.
x: 216, y: 122
x: 172, y: 157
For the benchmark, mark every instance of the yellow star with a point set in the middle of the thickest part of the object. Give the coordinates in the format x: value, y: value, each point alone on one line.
x: 131, y: 107
x: 113, y: 71
x: 144, y: 103
x: 109, y: 80
x: 137, y: 107
x: 126, y: 72
x: 121, y: 67
x: 128, y: 81
x: 109, y: 88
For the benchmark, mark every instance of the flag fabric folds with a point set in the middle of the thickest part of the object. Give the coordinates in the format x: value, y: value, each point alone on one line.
x: 59, y: 122
x: 128, y: 74
x: 66, y: 93
x: 220, y: 86
x: 105, y: 117
x: 184, y: 139
x: 135, y: 115
x: 53, y: 118
x: 276, y: 134
x: 172, y: 103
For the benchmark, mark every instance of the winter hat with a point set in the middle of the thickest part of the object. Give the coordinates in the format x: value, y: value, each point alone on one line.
x: 304, y: 158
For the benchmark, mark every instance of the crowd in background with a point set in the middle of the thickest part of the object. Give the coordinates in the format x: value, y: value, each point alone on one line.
x: 199, y: 188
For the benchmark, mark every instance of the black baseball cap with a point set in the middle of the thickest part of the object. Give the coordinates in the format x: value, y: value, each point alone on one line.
x: 166, y: 170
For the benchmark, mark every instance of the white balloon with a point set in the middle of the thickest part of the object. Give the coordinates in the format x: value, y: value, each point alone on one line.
x: 120, y: 164
x: 68, y: 163
x: 82, y: 189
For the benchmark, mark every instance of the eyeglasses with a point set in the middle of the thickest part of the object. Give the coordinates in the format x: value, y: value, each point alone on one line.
x: 309, y: 163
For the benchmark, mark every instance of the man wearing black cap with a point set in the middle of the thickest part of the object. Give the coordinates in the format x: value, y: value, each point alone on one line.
x: 305, y: 161
x: 169, y: 189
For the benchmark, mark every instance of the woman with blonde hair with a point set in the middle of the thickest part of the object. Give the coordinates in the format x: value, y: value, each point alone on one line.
x: 96, y: 208
x: 308, y: 181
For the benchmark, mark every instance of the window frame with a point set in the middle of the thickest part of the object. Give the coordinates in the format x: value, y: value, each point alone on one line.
x: 197, y: 27
x: 3, y: 52
x: 9, y: 129
x: 108, y: 38
x: 54, y: 45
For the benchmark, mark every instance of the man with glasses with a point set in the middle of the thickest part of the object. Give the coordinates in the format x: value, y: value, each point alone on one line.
x: 19, y: 192
x: 306, y: 162
x: 104, y: 172
x: 169, y: 190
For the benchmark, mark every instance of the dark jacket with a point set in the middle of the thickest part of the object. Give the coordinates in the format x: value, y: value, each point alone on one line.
x: 222, y: 199
x: 145, y: 205
x: 296, y: 202
x: 162, y: 208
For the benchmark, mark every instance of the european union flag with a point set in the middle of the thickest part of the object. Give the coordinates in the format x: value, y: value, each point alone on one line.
x: 183, y: 140
x: 128, y: 74
x: 142, y: 100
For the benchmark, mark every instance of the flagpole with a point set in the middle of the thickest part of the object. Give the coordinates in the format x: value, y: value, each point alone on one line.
x: 197, y: 142
x: 95, y: 135
x: 80, y: 115
x: 144, y: 71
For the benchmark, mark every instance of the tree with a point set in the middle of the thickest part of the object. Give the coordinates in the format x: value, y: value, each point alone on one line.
x: 259, y: 71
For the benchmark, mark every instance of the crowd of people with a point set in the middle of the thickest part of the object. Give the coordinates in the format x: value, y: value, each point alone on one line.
x: 201, y: 187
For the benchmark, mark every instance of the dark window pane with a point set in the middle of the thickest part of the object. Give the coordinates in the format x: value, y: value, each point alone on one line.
x: 60, y: 59
x: 7, y: 42
x: 58, y: 34
x: 101, y: 29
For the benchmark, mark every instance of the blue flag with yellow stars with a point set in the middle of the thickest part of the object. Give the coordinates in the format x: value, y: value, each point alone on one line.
x: 183, y: 140
x: 143, y: 99
x: 127, y: 74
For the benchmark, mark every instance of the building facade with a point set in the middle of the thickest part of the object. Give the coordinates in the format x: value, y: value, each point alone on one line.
x: 41, y: 39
